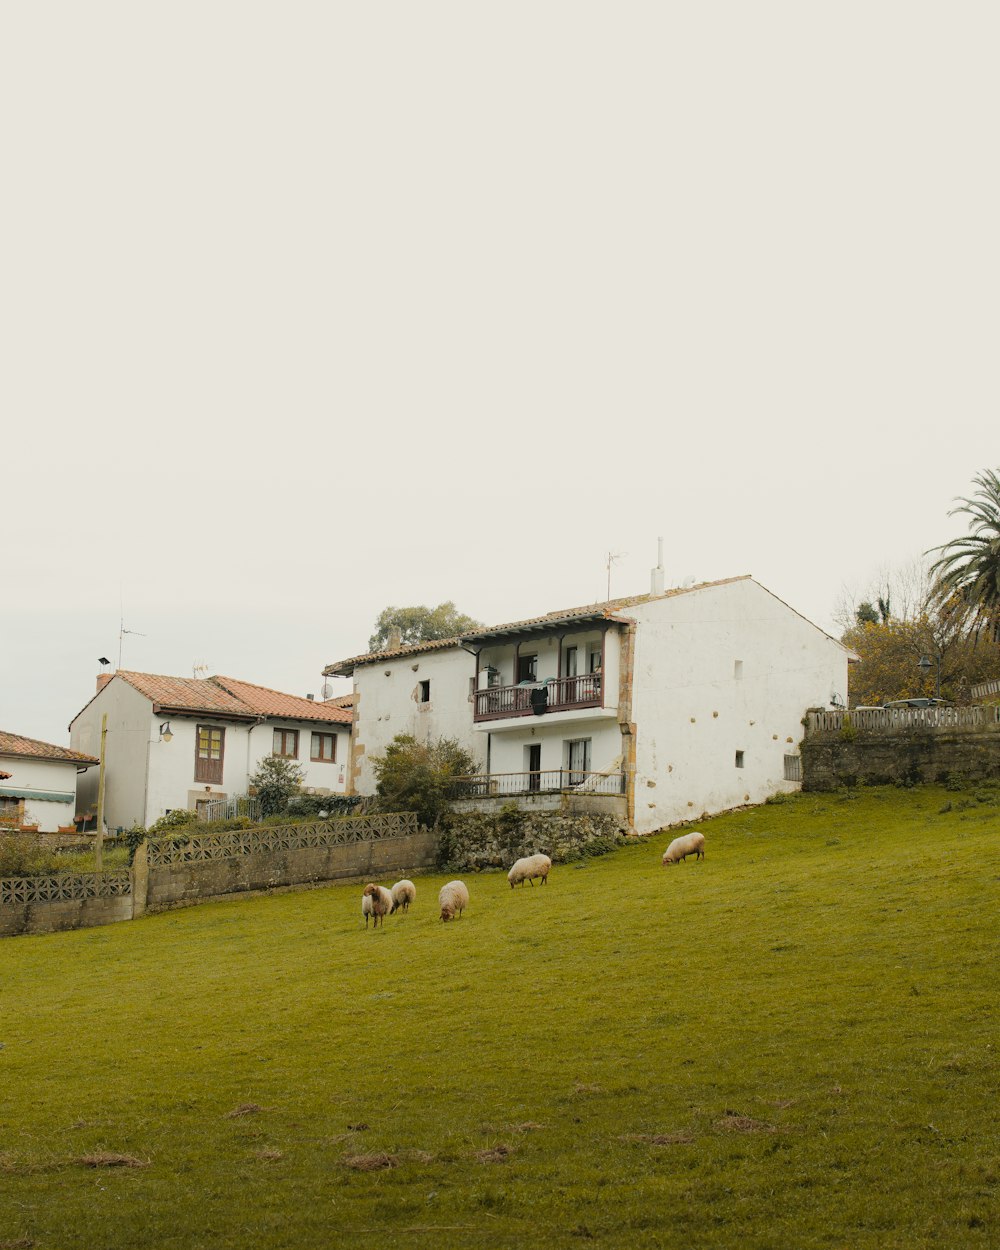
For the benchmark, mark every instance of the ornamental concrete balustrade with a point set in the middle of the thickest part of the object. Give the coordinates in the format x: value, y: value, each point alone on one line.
x: 883, y: 720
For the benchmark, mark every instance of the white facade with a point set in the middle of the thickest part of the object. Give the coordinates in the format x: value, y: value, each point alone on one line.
x: 43, y: 790
x: 147, y: 776
x: 723, y: 676
x: 425, y: 694
x: 694, y: 699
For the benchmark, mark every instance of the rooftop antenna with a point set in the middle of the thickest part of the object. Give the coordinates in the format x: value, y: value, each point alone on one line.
x: 611, y: 558
x: 121, y: 636
x: 198, y: 669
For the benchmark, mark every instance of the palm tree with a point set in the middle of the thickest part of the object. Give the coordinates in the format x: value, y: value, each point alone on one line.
x: 967, y: 573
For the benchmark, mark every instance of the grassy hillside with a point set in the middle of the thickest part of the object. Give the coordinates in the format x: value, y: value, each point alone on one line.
x: 791, y: 1044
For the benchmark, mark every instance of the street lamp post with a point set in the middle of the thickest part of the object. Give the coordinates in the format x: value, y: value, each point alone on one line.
x: 925, y: 663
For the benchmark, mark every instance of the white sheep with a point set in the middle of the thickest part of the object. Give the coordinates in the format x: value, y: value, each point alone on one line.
x: 531, y: 866
x: 379, y: 903
x: 454, y: 897
x: 403, y: 893
x: 681, y: 848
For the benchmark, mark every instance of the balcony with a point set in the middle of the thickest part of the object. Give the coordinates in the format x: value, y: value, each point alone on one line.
x: 548, y: 781
x: 535, y: 698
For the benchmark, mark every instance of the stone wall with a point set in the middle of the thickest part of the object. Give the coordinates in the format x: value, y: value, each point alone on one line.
x: 911, y: 757
x: 173, y: 885
x: 477, y: 840
x: 190, y: 867
x: 34, y: 905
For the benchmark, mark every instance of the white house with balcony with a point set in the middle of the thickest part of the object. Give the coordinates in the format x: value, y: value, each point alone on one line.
x: 664, y: 706
x: 181, y: 742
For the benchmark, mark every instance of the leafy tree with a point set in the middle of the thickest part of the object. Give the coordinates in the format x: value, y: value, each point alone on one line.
x: 421, y: 777
x: 420, y: 624
x: 891, y: 652
x: 866, y: 614
x: 275, y: 782
x: 967, y: 572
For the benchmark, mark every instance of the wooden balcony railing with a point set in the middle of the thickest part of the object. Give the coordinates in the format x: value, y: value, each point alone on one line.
x: 535, y: 698
x: 546, y: 781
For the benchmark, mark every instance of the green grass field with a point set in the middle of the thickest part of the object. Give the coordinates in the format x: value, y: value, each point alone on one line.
x: 791, y: 1044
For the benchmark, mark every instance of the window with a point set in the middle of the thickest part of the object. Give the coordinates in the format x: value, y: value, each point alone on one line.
x: 11, y: 810
x: 286, y: 744
x: 578, y: 760
x: 323, y: 748
x: 793, y: 768
x: 424, y: 692
x: 594, y: 659
x: 569, y: 662
x: 739, y: 759
x: 527, y: 667
x: 209, y: 753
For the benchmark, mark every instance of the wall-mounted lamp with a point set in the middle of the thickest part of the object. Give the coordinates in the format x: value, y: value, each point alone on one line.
x: 165, y: 734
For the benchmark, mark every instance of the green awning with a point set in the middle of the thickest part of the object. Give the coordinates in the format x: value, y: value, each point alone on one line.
x: 47, y: 796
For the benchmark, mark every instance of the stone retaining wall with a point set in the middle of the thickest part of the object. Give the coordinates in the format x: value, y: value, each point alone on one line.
x: 911, y: 757
x: 174, y: 885
x: 477, y: 840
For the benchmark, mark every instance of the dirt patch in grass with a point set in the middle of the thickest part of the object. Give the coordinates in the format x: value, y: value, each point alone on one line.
x: 370, y: 1163
x: 245, y: 1108
x: 660, y: 1139
x: 269, y: 1156
x: 358, y: 1128
x: 109, y: 1159
x: 496, y: 1154
x: 581, y: 1087
x: 23, y: 1243
x: 733, y: 1122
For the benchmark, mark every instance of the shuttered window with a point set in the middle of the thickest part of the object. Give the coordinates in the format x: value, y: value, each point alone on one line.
x: 209, y: 753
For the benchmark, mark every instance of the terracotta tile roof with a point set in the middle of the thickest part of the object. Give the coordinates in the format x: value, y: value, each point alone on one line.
x: 265, y: 702
x: 594, y: 611
x: 226, y: 696
x: 32, y: 749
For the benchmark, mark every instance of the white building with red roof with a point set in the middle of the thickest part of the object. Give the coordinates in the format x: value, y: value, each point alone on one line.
x: 660, y: 707
x: 183, y: 742
x: 38, y: 782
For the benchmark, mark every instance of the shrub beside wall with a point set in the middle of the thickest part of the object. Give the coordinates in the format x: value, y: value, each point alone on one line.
x: 478, y: 840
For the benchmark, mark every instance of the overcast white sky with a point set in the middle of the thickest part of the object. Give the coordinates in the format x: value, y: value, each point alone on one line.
x: 311, y: 308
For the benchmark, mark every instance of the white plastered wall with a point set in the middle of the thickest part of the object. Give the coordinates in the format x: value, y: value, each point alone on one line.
x: 694, y: 708
x: 387, y: 704
x: 48, y: 777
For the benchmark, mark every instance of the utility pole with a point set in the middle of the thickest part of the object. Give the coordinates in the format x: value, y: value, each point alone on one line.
x: 99, y: 843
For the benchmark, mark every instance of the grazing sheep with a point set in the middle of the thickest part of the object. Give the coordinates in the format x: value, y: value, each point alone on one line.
x: 380, y: 903
x: 681, y: 848
x: 403, y: 893
x: 530, y: 866
x: 454, y: 897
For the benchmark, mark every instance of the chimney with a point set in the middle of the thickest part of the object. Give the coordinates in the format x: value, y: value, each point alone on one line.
x: 310, y: 697
x: 656, y: 577
x: 395, y: 639
x: 102, y: 680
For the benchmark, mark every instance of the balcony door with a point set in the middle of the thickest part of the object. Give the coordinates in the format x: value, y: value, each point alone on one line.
x: 533, y: 760
x: 578, y: 760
